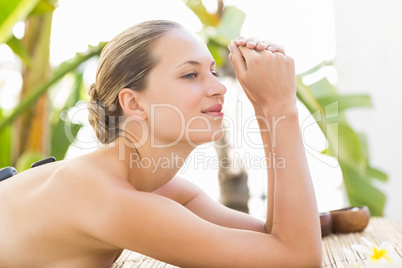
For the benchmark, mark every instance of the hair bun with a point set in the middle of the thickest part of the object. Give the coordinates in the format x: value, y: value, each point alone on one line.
x: 92, y: 91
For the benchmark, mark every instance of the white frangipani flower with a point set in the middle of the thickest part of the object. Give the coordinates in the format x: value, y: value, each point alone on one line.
x: 383, y: 256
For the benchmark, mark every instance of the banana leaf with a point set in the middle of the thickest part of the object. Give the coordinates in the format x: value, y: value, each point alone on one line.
x: 61, y: 71
x: 59, y: 140
x: 205, y: 17
x: 347, y: 146
x: 5, y: 145
x: 11, y: 12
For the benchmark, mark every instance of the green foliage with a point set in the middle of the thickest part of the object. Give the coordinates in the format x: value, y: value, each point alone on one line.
x: 60, y: 141
x: 27, y: 159
x: 230, y: 25
x: 199, y: 9
x: 219, y: 29
x: 19, y: 49
x: 346, y: 145
x: 228, y: 29
x: 5, y: 145
x: 63, y: 131
x: 12, y: 12
x: 60, y: 72
x: 43, y: 6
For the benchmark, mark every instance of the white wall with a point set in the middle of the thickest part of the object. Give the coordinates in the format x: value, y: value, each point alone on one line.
x: 368, y: 60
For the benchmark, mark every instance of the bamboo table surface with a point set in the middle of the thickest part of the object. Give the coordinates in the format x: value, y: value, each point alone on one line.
x: 378, y: 231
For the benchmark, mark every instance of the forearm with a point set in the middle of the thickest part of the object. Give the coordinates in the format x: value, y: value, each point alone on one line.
x: 295, y: 216
x: 265, y: 136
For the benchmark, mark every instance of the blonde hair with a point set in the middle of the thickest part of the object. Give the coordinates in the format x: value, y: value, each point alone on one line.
x: 125, y: 62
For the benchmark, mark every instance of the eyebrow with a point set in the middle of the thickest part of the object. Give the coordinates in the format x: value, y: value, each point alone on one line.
x: 193, y: 62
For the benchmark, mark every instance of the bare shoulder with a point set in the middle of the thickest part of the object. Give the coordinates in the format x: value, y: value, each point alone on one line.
x: 57, y: 202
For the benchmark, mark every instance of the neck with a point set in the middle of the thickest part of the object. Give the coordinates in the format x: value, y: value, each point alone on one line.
x: 147, y: 167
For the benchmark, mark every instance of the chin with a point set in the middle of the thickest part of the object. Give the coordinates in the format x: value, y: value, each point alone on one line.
x: 196, y: 139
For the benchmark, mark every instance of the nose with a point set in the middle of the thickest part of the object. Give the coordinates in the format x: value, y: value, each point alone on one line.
x: 216, y: 89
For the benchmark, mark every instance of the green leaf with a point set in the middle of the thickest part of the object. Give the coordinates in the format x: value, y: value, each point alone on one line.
x: 25, y: 161
x: 364, y: 146
x: 230, y: 25
x: 377, y: 174
x: 62, y: 70
x: 60, y: 141
x: 201, y: 12
x: 360, y: 192
x: 348, y: 146
x: 19, y: 49
x: 305, y: 95
x: 323, y: 88
x: 216, y: 51
x: 11, y: 12
x: 42, y: 7
x: 315, y: 68
x: 5, y: 145
x: 347, y: 101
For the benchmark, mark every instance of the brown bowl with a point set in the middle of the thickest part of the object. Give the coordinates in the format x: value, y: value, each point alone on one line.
x: 326, y: 223
x: 351, y: 219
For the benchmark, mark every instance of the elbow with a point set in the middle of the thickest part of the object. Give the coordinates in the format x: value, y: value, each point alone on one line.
x: 312, y: 257
x: 315, y: 261
x: 308, y: 260
x: 309, y: 255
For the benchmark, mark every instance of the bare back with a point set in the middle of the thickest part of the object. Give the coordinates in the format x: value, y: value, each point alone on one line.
x: 39, y: 218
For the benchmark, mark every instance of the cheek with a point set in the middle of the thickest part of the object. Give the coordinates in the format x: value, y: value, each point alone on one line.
x: 185, y: 102
x: 201, y: 129
x: 167, y: 120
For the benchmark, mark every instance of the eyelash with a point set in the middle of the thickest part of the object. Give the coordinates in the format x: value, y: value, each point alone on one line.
x: 190, y: 76
x: 215, y: 73
x: 194, y: 75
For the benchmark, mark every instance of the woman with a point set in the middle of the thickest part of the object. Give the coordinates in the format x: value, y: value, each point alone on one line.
x: 157, y: 95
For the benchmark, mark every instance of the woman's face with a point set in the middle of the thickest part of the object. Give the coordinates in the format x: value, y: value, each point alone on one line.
x: 183, y: 98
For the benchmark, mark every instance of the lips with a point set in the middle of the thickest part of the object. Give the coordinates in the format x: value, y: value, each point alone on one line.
x: 214, y: 110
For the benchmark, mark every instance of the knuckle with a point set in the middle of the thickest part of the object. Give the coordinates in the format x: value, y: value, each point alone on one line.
x: 267, y: 55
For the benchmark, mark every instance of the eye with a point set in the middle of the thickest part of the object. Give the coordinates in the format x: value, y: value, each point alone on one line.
x: 191, y: 76
x: 215, y: 73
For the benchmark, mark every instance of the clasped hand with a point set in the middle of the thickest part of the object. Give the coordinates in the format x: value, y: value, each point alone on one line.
x: 264, y: 71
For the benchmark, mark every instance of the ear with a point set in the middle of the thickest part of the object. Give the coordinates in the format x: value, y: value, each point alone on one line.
x: 129, y: 102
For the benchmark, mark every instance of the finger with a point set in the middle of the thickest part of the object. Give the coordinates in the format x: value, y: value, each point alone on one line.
x: 248, y: 53
x: 276, y: 48
x: 251, y: 43
x: 237, y: 60
x: 241, y: 41
x: 262, y: 45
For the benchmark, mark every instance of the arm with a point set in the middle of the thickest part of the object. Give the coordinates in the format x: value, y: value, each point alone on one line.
x: 163, y: 229
x: 269, y: 81
x: 197, y: 201
x: 263, y: 123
